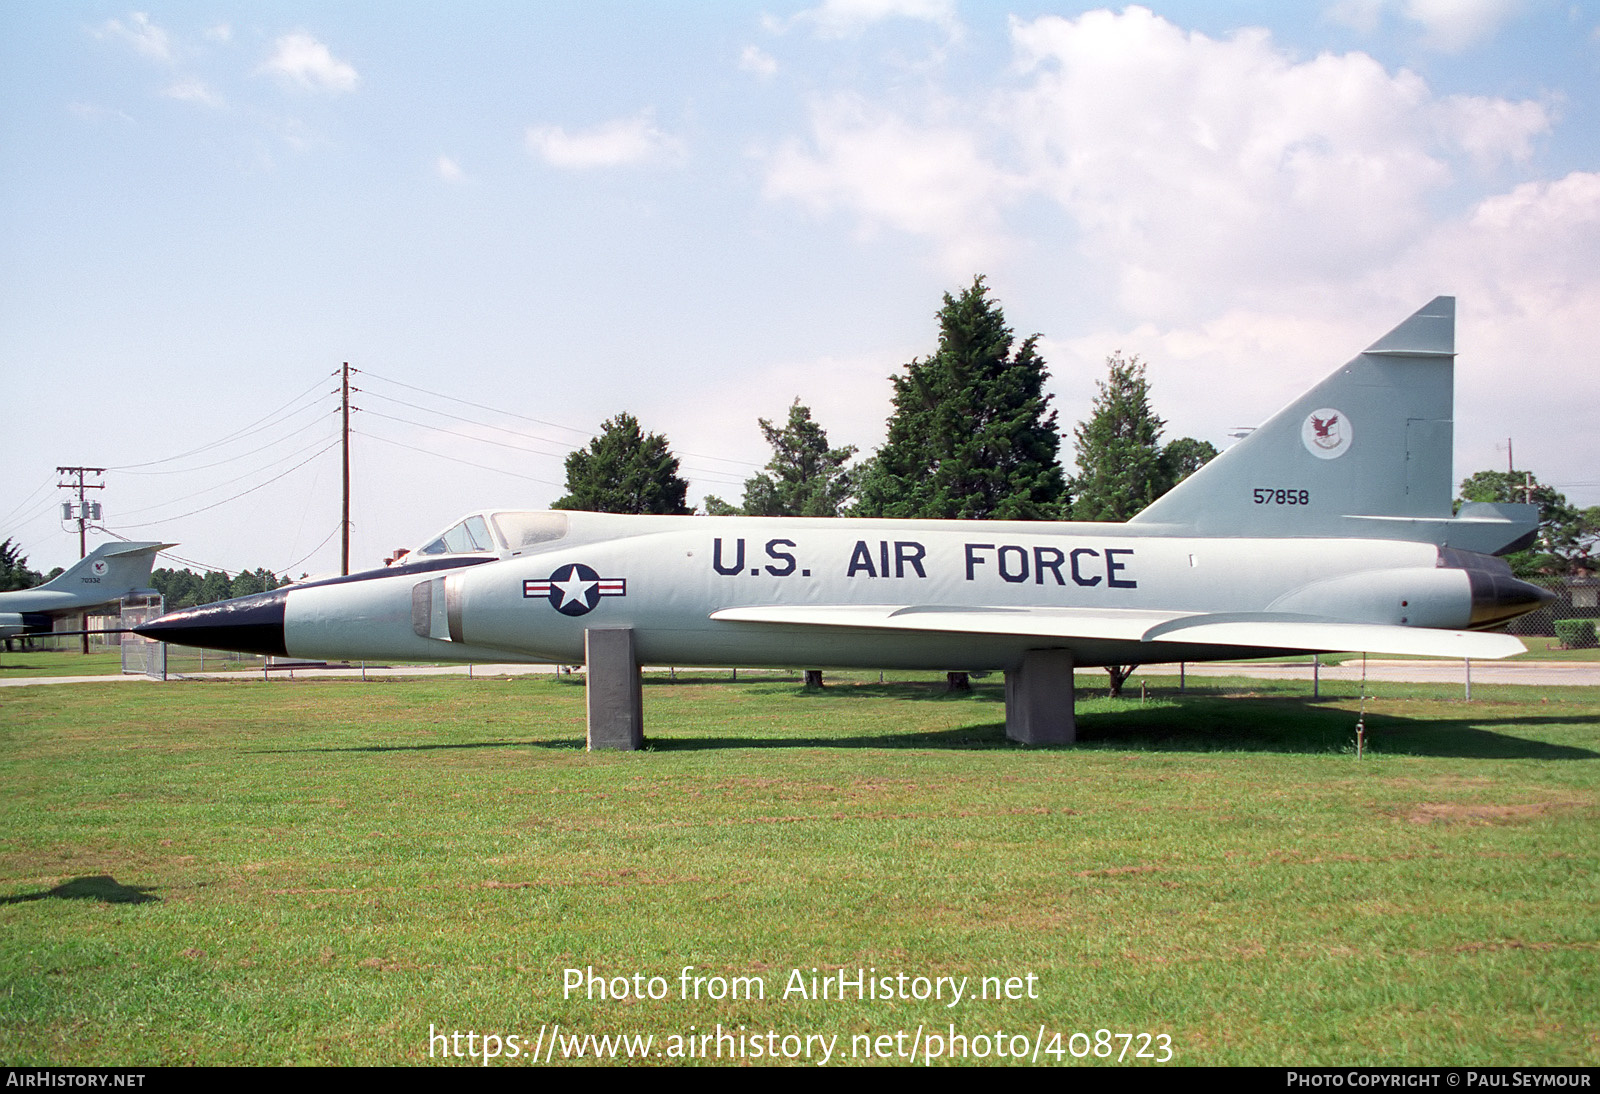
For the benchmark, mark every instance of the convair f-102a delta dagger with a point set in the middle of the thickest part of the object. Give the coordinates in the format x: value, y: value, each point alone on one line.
x: 1329, y: 528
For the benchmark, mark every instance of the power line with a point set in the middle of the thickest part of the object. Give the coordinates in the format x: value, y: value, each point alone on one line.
x: 253, y: 427
x: 480, y: 406
x: 453, y: 459
x: 587, y: 434
x: 466, y: 436
x: 231, y: 459
x: 168, y: 554
x: 240, y: 494
x: 226, y: 482
x: 565, y: 448
x: 714, y: 476
x: 48, y: 482
x: 208, y: 568
x: 294, y: 565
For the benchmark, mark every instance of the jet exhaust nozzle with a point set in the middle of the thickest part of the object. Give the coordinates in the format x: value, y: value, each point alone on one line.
x: 1497, y: 596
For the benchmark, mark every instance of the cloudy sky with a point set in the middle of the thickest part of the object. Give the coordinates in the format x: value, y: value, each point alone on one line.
x: 517, y: 220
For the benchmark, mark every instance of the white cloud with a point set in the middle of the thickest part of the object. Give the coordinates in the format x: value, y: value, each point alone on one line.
x: 222, y: 32
x: 91, y: 112
x: 619, y: 143
x: 1191, y: 170
x: 193, y: 91
x: 1453, y: 25
x: 449, y: 170
x: 924, y: 178
x: 1359, y: 15
x: 139, y: 32
x: 845, y: 18
x: 1190, y: 161
x: 300, y: 59
x: 1448, y: 25
x: 1259, y: 216
x: 1525, y: 268
x: 755, y: 59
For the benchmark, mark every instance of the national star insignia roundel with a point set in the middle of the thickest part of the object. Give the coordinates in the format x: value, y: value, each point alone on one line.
x: 575, y: 589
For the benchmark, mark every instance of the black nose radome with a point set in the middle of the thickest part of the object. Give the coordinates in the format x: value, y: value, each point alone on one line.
x: 249, y: 624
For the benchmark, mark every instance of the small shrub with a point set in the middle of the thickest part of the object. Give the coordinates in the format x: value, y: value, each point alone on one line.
x: 1576, y: 634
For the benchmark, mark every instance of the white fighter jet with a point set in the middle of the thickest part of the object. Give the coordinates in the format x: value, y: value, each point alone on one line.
x: 103, y: 577
x: 1329, y: 528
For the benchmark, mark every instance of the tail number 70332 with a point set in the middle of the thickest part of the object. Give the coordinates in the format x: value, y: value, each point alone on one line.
x: 1282, y: 496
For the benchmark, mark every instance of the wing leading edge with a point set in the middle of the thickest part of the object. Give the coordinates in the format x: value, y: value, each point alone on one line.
x: 1256, y: 630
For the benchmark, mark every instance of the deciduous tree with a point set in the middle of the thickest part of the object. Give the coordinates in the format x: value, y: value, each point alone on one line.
x: 1566, y: 536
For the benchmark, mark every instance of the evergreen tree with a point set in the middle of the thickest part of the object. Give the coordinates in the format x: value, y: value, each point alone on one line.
x: 14, y: 572
x: 804, y: 478
x: 1119, y: 447
x: 248, y: 582
x: 1122, y: 466
x: 624, y: 471
x: 187, y: 589
x: 1566, y: 535
x: 972, y: 435
x: 178, y: 588
x: 214, y: 586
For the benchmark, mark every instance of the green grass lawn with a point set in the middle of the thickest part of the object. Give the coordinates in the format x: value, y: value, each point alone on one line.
x: 320, y: 871
x: 36, y: 663
x: 1547, y: 649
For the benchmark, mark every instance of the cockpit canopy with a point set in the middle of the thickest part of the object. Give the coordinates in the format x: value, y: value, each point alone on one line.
x: 502, y: 533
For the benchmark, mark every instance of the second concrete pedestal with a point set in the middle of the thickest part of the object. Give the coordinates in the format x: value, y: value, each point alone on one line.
x: 1039, y: 708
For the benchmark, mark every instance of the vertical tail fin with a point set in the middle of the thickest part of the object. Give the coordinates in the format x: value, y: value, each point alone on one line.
x: 108, y: 572
x: 1364, y: 454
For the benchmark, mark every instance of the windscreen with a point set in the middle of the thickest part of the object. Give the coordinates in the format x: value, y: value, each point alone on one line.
x: 471, y: 536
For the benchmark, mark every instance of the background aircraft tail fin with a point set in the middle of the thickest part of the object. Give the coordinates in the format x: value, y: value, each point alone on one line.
x: 111, y: 569
x: 1364, y: 454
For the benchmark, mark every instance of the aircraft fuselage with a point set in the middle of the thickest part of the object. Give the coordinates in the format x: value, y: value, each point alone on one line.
x: 668, y: 582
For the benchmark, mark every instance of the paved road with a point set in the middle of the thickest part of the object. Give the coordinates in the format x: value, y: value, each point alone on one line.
x: 1527, y: 673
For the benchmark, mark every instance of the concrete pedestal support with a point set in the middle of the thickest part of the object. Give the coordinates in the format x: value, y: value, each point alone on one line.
x: 1039, y: 709
x: 613, y: 690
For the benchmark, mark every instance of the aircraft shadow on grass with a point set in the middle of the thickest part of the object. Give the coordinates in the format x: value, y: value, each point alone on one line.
x: 1197, y: 723
x: 101, y: 887
x: 1309, y: 731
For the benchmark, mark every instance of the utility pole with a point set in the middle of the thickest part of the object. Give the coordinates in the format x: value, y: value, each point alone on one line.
x: 344, y: 523
x: 83, y: 512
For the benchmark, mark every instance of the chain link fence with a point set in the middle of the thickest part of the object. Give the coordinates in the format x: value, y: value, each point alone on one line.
x: 1576, y: 598
x: 142, y: 655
